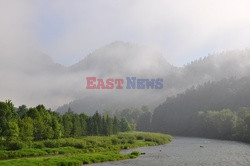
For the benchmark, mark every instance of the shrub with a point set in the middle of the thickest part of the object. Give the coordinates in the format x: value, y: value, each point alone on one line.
x: 79, y: 145
x: 131, y: 141
x: 3, y: 155
x: 39, y: 145
x: 114, y: 141
x: 51, y: 144
x: 123, y: 141
x: 148, y: 139
x: 15, y: 145
x: 139, y: 137
x: 135, y: 153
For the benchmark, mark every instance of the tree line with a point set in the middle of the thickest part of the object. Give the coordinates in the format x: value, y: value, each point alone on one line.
x: 225, y: 124
x: 138, y: 118
x: 40, y: 123
x: 213, y: 110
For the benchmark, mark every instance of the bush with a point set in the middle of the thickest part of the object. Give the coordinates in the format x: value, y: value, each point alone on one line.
x: 3, y: 155
x: 39, y: 145
x: 115, y: 141
x: 139, y: 137
x: 51, y: 144
x: 149, y: 139
x: 131, y: 141
x: 79, y: 145
x: 123, y: 141
x: 16, y: 145
x: 135, y: 153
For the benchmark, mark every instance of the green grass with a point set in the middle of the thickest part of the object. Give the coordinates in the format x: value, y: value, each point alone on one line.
x: 78, y: 151
x: 77, y: 159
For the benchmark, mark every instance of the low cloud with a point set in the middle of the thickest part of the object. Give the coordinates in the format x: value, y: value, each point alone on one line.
x: 35, y: 34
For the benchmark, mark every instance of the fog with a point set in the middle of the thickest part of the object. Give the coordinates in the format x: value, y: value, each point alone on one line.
x: 47, y: 49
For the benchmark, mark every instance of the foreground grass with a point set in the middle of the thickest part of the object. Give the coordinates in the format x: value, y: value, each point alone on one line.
x: 77, y: 159
x: 91, y: 149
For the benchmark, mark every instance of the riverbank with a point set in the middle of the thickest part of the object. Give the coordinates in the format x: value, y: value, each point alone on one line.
x: 86, y: 150
x: 189, y: 151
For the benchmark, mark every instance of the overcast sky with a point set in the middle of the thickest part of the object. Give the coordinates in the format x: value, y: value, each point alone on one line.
x: 69, y: 30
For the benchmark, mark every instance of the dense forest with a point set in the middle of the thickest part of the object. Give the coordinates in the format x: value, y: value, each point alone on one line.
x: 38, y: 123
x: 139, y: 119
x: 215, y: 109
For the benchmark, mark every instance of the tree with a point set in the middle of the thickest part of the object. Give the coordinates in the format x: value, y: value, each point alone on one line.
x: 26, y: 129
x: 83, y: 117
x: 46, y: 119
x: 32, y: 113
x: 109, y: 125
x: 124, y: 125
x: 56, y: 128
x: 97, y: 127
x: 8, y: 125
x: 76, y: 126
x: 115, y: 125
x: 90, y: 125
x: 22, y: 110
x: 67, y: 124
x: 4, y: 117
x: 12, y: 132
x: 144, y: 120
x: 39, y: 129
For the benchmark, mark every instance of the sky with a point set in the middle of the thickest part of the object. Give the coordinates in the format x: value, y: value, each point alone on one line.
x: 67, y: 31
x: 182, y: 30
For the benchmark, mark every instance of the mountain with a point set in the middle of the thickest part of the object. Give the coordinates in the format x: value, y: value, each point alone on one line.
x: 32, y: 77
x: 119, y: 60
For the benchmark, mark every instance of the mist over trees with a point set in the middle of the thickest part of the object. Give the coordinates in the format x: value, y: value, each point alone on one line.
x: 225, y: 124
x: 138, y: 118
x: 106, y: 62
x: 215, y: 82
x: 214, y: 110
x: 116, y: 60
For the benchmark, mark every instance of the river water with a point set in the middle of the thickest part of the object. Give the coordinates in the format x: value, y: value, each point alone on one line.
x: 186, y: 151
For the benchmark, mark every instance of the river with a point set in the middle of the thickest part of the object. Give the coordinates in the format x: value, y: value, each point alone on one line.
x: 186, y: 151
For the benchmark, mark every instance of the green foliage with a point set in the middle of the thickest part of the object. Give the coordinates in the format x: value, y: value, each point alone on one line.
x: 87, y: 144
x: 219, y: 104
x: 26, y: 129
x: 225, y: 124
x: 15, y: 145
x: 124, y: 125
x: 219, y: 123
x: 139, y: 137
x: 8, y: 125
x: 38, y: 123
x: 135, y: 153
x: 38, y: 145
x: 70, y: 160
x: 32, y: 132
x: 51, y: 143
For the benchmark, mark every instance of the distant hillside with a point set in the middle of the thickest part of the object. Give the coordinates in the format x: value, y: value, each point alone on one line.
x: 120, y: 59
x: 33, y: 78
x: 177, y: 115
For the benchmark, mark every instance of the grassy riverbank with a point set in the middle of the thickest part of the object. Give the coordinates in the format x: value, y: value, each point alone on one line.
x: 86, y: 150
